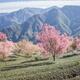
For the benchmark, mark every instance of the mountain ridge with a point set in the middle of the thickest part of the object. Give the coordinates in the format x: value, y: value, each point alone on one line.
x: 26, y: 23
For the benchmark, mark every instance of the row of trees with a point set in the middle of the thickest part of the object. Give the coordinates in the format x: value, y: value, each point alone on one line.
x: 6, y: 47
x: 50, y: 42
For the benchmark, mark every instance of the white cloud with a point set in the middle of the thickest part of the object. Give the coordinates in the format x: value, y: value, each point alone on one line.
x: 13, y: 6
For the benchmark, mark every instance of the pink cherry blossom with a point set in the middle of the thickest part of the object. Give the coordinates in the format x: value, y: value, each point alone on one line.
x: 6, y: 48
x: 2, y: 36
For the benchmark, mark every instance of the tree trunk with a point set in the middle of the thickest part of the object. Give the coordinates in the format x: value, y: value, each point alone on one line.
x: 53, y: 55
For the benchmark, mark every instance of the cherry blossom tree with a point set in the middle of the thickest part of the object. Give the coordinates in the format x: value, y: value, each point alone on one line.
x: 53, y: 41
x: 6, y: 47
x: 2, y: 36
x: 65, y: 43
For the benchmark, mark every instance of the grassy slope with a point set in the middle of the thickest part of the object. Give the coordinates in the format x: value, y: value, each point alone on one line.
x: 21, y: 68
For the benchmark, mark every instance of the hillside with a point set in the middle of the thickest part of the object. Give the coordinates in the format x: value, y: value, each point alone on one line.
x: 22, y: 68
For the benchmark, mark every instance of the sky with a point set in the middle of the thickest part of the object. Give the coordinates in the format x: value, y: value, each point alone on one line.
x: 21, y: 0
x: 10, y: 0
x: 10, y: 6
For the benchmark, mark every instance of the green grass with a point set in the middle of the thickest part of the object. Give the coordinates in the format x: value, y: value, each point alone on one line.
x: 21, y: 68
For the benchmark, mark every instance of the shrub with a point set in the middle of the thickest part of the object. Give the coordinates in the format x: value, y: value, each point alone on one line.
x: 26, y: 48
